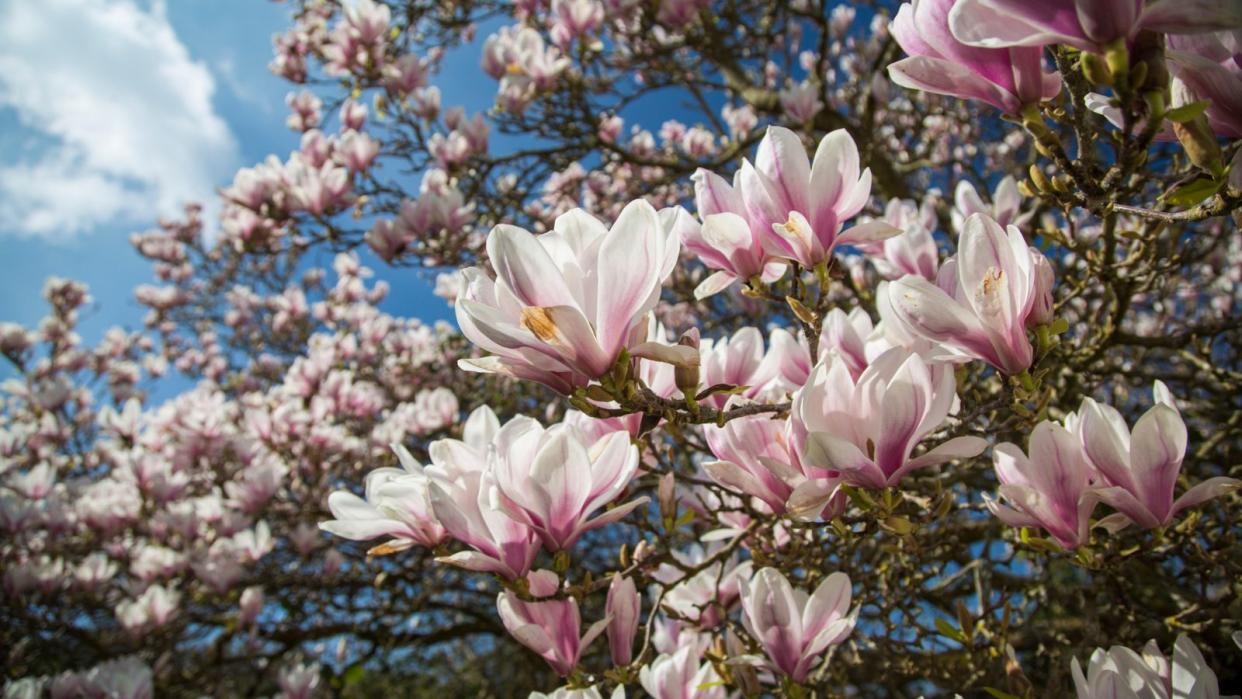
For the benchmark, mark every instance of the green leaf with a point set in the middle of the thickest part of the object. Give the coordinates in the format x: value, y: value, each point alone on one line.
x: 1059, y: 326
x: 354, y: 675
x: 999, y: 694
x: 1187, y: 112
x: 1194, y: 192
x: 946, y: 629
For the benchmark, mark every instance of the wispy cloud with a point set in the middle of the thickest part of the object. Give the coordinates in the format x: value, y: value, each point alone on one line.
x: 126, y: 110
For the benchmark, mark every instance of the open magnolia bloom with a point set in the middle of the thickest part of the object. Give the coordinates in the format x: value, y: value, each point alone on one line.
x: 913, y: 251
x: 463, y: 492
x: 553, y: 479
x: 703, y: 598
x: 793, y: 627
x: 396, y: 505
x: 1121, y: 672
x: 1089, y: 25
x: 1140, y: 468
x: 682, y: 674
x: 1050, y: 489
x: 786, y: 206
x: 564, y: 304
x: 549, y: 627
x: 1005, y: 209
x: 983, y: 299
x: 753, y: 459
x: 938, y: 62
x: 867, y: 429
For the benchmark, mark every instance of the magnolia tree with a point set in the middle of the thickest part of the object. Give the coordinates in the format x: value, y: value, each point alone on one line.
x: 801, y: 349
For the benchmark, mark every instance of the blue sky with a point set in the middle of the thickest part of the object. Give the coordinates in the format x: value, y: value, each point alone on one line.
x: 115, y: 112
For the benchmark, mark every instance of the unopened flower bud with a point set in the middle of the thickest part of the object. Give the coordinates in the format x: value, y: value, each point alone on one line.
x: 666, y: 495
x: 687, y: 376
x: 1200, y: 144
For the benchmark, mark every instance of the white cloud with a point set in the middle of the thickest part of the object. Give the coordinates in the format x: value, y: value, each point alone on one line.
x: 129, y: 115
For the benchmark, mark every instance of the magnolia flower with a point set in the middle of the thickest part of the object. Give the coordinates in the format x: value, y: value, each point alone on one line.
x: 754, y: 459
x: 982, y: 300
x: 154, y: 607
x: 792, y: 207
x: 123, y: 678
x: 623, y: 609
x: 705, y: 597
x: 1006, y: 207
x: 1050, y: 489
x: 726, y: 241
x: 795, y: 629
x: 1089, y: 25
x: 1140, y: 469
x: 250, y: 604
x: 463, y: 492
x: 1120, y: 672
x: 552, y: 480
x: 397, y: 504
x: 739, y: 360
x: 548, y: 627
x: 573, y: 18
x: 913, y: 251
x: 1007, y: 79
x: 1209, y: 66
x: 566, y: 303
x: 298, y: 681
x: 801, y: 101
x: 681, y: 675
x: 866, y: 429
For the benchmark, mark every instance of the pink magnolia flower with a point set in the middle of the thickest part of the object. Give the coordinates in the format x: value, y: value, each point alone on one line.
x: 938, y: 62
x: 153, y: 608
x: 681, y: 675
x: 793, y: 208
x: 564, y: 304
x: 740, y: 360
x: 913, y: 251
x: 397, y: 504
x: 1005, y: 209
x: 1120, y: 672
x: 356, y: 150
x: 1140, y: 469
x: 795, y: 628
x: 1209, y: 66
x: 754, y: 459
x: 574, y: 18
x: 726, y: 241
x: 122, y: 678
x: 1050, y: 489
x: 407, y: 75
x: 367, y: 20
x: 623, y: 610
x: 353, y: 115
x: 866, y: 428
x: 250, y: 604
x: 553, y: 479
x: 299, y: 681
x: 1089, y: 25
x: 707, y: 596
x: 801, y: 101
x: 982, y: 300
x: 462, y: 493
x: 548, y: 627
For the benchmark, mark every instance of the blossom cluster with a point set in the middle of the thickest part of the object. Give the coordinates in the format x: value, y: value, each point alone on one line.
x: 772, y: 397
